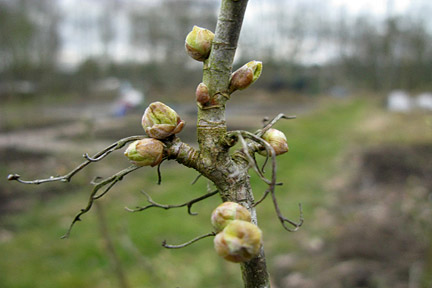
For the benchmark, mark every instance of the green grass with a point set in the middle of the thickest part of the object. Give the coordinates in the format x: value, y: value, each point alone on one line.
x: 35, y: 256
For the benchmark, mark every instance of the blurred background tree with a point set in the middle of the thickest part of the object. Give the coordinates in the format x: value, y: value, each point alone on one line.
x: 44, y: 40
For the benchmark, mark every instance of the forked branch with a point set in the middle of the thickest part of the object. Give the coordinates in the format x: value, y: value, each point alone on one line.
x: 110, y: 181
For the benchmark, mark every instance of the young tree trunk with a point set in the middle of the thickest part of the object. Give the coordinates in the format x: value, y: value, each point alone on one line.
x: 230, y: 174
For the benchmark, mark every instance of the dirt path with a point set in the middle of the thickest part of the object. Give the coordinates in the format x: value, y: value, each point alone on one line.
x: 58, y: 138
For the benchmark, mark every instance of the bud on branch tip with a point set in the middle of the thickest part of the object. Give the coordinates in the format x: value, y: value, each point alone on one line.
x: 145, y: 152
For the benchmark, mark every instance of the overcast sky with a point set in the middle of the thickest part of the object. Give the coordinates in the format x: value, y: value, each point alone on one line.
x: 77, y: 46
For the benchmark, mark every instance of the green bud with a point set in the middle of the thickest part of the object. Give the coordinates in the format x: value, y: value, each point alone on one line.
x: 277, y: 140
x: 198, y: 43
x: 202, y: 94
x: 160, y: 121
x: 240, y: 241
x: 227, y: 212
x: 145, y: 152
x: 245, y: 75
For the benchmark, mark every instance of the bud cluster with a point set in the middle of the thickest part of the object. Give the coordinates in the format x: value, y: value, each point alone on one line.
x: 198, y: 45
x: 238, y: 240
x: 159, y: 122
x: 227, y: 212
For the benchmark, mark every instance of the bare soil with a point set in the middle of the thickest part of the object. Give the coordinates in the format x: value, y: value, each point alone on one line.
x: 380, y: 225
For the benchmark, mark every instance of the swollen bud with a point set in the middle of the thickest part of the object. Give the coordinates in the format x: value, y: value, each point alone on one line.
x: 240, y: 241
x: 198, y: 43
x: 227, y: 212
x: 245, y: 75
x: 277, y: 140
x: 202, y: 94
x: 160, y: 121
x: 145, y: 152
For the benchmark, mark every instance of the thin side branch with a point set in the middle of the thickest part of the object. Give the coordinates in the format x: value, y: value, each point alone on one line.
x: 251, y: 160
x: 196, y: 179
x: 164, y: 244
x: 110, y: 181
x: 67, y: 177
x: 159, y: 173
x: 270, y: 124
x: 270, y: 153
x: 271, y: 183
x: 166, y: 207
x: 285, y: 220
x: 266, y: 126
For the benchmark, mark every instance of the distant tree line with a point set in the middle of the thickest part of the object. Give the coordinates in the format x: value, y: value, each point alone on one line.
x: 303, y: 50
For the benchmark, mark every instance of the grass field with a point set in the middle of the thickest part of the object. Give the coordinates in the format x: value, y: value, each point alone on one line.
x: 33, y: 255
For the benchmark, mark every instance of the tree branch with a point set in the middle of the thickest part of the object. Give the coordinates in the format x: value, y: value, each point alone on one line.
x: 189, y: 242
x: 166, y: 207
x: 97, y: 157
x: 269, y: 125
x: 272, y: 183
x: 112, y: 180
x: 183, y: 153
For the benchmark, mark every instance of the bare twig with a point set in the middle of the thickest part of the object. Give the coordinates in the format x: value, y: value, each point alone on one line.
x: 270, y: 124
x: 285, y: 220
x: 164, y: 244
x: 196, y: 179
x: 112, y: 180
x: 272, y: 155
x: 159, y: 173
x: 265, y: 162
x: 97, y: 157
x: 272, y: 183
x: 251, y: 160
x: 267, y: 125
x: 166, y: 207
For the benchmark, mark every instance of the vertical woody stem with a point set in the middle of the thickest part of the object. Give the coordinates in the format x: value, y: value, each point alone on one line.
x: 229, y: 175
